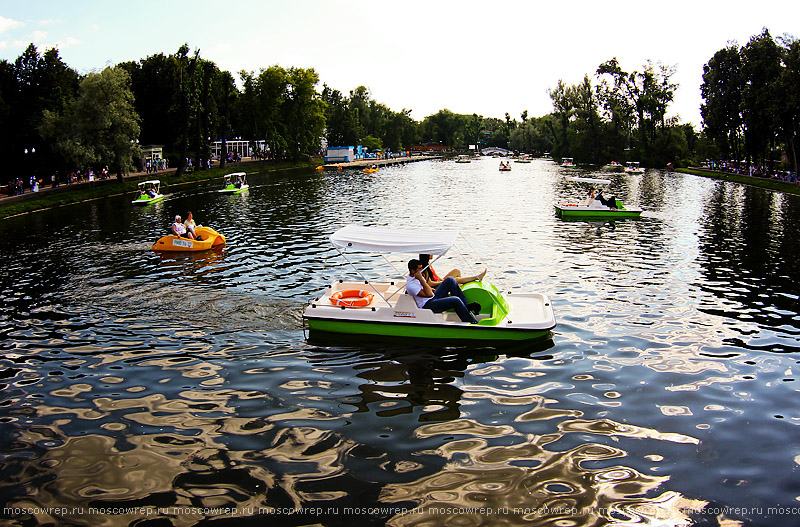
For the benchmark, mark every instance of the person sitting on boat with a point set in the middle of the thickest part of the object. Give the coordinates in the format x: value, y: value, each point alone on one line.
x: 447, y: 296
x: 611, y: 202
x: 434, y: 280
x: 151, y: 192
x: 238, y: 182
x: 589, y: 199
x: 179, y: 229
x: 190, y: 225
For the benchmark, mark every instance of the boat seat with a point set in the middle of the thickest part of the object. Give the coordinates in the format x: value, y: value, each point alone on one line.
x: 405, y: 303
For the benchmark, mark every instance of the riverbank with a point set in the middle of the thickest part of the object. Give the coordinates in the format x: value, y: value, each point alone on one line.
x: 50, y: 197
x: 365, y: 163
x: 772, y: 184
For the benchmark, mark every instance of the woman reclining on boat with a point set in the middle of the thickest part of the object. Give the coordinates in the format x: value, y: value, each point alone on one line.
x: 434, y: 280
x: 447, y: 296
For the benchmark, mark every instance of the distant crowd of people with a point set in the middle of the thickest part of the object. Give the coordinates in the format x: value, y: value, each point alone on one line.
x: 156, y: 165
x: 748, y: 169
x: 20, y: 186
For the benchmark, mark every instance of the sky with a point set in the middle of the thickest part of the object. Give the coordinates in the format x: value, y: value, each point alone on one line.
x: 489, y: 58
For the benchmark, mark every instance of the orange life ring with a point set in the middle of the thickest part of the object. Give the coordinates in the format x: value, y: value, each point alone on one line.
x: 351, y: 298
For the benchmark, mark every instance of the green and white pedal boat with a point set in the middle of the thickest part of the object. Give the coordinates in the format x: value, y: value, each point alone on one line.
x: 149, y: 192
x: 592, y: 209
x: 234, y: 183
x: 597, y: 211
x: 383, y: 309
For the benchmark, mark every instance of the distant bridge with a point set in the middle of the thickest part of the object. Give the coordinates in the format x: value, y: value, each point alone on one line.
x: 495, y: 150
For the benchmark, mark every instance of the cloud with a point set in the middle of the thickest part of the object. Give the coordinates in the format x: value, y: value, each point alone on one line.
x: 8, y: 23
x: 48, y: 21
x: 67, y: 42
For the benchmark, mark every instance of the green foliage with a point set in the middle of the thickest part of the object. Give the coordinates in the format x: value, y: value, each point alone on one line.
x: 283, y: 107
x: 372, y: 143
x: 722, y: 92
x: 350, y: 120
x: 623, y: 117
x: 750, y: 107
x: 100, y: 126
x: 30, y: 86
x: 751, y: 101
x: 532, y: 136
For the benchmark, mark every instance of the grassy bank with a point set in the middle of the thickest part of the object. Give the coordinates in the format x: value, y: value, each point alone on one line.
x: 66, y: 195
x: 779, y: 186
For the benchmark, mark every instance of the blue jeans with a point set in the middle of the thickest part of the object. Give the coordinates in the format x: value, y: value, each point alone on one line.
x: 448, y: 295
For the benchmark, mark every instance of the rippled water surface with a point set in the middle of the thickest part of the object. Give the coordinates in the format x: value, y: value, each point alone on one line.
x: 148, y: 389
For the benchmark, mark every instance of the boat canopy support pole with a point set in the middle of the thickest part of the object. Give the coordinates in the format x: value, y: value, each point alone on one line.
x: 365, y: 278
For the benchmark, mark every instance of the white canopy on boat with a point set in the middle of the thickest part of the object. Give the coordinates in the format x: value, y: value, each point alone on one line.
x: 383, y: 239
x: 151, y: 182
x: 595, y: 181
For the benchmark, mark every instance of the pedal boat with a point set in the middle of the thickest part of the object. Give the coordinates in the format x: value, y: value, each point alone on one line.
x: 144, y: 189
x: 208, y: 238
x: 597, y: 211
x: 568, y: 162
x: 633, y: 168
x: 234, y: 183
x: 383, y: 309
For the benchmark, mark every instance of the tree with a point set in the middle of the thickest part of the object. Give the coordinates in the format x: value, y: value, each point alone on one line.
x: 100, y: 126
x: 184, y: 101
x: 788, y: 92
x: 30, y: 86
x: 648, y: 93
x: 722, y: 95
x: 563, y: 109
x: 304, y: 112
x: 270, y: 94
x: 761, y: 67
x: 342, y: 128
x: 400, y: 130
x: 226, y: 95
x: 444, y: 127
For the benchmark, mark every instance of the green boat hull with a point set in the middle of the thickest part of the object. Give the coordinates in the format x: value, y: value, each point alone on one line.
x: 234, y: 190
x: 424, y: 331
x: 595, y: 214
x: 147, y: 201
x: 582, y: 213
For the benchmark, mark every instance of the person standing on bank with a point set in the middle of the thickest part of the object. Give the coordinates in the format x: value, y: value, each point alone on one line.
x: 448, y: 294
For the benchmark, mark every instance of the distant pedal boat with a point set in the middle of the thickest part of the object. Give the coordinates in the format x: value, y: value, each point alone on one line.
x: 597, y: 211
x: 234, y: 183
x: 208, y: 238
x: 633, y: 168
x: 149, y: 192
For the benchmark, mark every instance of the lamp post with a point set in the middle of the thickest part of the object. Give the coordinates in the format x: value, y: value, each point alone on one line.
x: 134, y: 148
x: 30, y: 151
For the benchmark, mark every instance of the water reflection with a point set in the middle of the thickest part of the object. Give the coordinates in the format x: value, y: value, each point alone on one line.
x: 182, y: 384
x: 748, y: 267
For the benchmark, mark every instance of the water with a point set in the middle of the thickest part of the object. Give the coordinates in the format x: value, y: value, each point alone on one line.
x: 147, y: 389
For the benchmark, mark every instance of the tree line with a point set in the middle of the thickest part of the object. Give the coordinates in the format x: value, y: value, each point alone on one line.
x: 751, y: 94
x: 56, y: 119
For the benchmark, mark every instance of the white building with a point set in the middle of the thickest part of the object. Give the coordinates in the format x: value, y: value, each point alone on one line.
x: 240, y: 146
